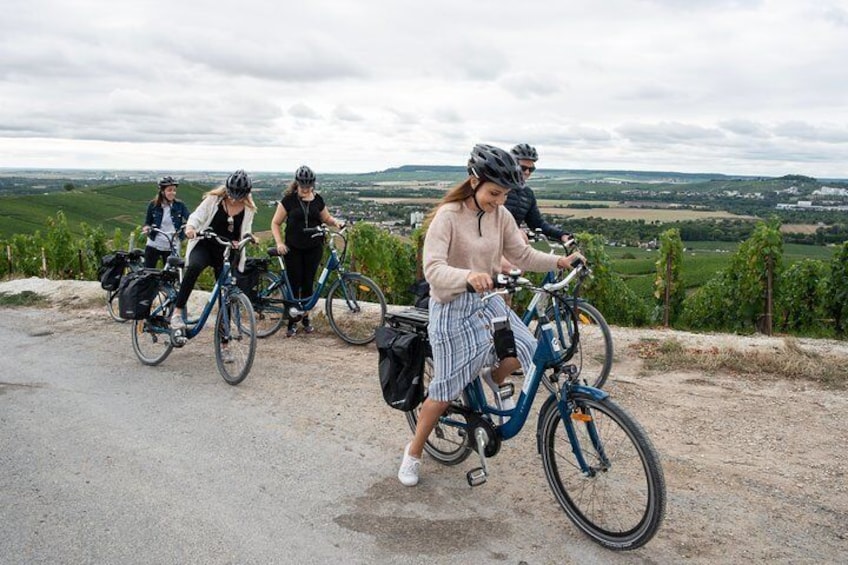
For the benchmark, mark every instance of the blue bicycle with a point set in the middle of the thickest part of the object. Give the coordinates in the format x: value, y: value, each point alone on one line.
x: 599, y: 462
x: 355, y: 305
x: 571, y: 315
x: 235, y: 335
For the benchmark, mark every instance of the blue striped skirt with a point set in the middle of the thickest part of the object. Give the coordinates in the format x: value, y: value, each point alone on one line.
x: 461, y: 336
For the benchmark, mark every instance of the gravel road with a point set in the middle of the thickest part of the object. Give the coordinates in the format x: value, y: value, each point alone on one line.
x: 108, y: 461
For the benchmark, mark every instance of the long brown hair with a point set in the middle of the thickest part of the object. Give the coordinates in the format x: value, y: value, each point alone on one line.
x: 291, y: 189
x: 160, y: 197
x: 456, y: 194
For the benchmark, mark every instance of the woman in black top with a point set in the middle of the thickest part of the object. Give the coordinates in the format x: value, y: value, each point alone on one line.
x: 301, y: 208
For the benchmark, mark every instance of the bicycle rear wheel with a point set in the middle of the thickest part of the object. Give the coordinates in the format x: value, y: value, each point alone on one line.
x: 355, y: 308
x: 151, y: 337
x: 112, y: 305
x: 620, y: 501
x: 235, y: 338
x: 448, y: 445
x: 268, y: 307
x: 593, y: 357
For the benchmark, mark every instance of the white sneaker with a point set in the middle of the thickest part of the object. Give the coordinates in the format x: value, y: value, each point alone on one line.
x: 177, y: 322
x: 409, y: 469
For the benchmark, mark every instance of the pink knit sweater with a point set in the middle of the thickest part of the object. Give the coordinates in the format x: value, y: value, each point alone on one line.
x: 453, y: 248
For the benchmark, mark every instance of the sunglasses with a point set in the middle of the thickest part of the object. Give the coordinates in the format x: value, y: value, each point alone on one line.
x: 527, y: 169
x: 306, y: 186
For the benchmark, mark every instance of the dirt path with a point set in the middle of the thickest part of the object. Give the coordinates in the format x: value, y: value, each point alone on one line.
x: 755, y: 469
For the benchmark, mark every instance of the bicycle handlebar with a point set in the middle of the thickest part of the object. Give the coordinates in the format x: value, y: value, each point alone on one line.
x: 209, y: 234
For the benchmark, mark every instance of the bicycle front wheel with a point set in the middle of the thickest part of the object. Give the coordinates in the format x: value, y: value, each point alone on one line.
x: 355, y: 308
x: 268, y: 307
x: 618, y: 498
x: 447, y: 444
x: 235, y: 338
x: 593, y: 357
x: 151, y: 337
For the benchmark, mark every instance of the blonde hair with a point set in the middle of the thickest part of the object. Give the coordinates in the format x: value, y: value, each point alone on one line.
x: 221, y: 192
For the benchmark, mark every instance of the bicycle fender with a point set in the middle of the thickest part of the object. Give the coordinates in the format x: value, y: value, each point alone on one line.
x: 592, y: 392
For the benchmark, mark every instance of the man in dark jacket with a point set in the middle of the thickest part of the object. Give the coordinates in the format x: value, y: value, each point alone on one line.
x: 522, y: 202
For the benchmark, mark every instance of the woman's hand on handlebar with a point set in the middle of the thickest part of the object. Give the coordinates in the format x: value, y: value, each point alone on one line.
x: 480, y: 282
x: 190, y: 232
x: 282, y: 249
x: 570, y: 261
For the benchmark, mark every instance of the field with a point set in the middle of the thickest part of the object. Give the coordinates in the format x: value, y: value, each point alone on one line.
x: 113, y: 207
x: 702, y: 260
x: 646, y: 214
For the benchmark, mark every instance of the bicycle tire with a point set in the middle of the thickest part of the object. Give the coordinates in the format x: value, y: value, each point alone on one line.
x: 112, y: 305
x: 351, y: 310
x: 621, y: 503
x: 151, y: 338
x: 594, y: 354
x: 449, y: 445
x: 240, y: 330
x: 269, y: 316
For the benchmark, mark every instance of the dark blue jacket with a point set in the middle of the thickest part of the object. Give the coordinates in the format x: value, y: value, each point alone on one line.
x: 179, y: 214
x: 521, y: 203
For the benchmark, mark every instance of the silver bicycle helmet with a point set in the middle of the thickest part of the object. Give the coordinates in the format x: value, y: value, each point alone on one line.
x: 524, y: 151
x: 304, y: 176
x: 165, y: 182
x: 491, y: 163
x: 238, y: 184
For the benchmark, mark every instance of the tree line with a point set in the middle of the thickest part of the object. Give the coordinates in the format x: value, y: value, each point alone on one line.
x: 756, y: 292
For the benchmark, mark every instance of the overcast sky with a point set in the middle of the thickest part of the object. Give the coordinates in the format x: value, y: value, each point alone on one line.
x: 728, y: 86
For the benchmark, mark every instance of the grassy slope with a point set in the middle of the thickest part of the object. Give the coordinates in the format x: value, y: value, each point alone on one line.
x: 121, y: 206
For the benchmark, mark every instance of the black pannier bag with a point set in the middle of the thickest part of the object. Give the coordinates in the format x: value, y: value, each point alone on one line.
x: 136, y: 293
x: 111, y: 269
x: 248, y: 281
x: 401, y: 366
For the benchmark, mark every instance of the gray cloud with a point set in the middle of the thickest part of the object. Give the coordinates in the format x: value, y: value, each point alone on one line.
x: 302, y: 111
x: 667, y: 132
x: 345, y: 114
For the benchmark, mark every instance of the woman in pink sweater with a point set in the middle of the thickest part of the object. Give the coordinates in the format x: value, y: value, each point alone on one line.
x: 469, y: 232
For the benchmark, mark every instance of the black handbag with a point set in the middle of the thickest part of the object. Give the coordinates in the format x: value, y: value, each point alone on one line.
x: 401, y: 367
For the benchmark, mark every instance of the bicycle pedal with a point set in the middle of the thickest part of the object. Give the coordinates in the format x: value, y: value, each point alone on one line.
x: 476, y: 477
x: 178, y: 338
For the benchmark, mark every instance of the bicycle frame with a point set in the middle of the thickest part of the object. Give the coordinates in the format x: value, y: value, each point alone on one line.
x: 549, y: 355
x: 305, y: 304
x: 333, y: 265
x: 224, y: 285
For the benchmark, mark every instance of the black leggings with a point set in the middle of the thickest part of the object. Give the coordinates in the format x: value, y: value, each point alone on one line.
x: 302, y: 264
x: 152, y: 256
x: 205, y: 254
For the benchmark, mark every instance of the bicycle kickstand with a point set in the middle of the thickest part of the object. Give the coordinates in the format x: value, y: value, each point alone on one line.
x: 480, y: 475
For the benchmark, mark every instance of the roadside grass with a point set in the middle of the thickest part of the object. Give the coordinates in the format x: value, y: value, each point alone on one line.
x: 23, y: 298
x: 789, y: 362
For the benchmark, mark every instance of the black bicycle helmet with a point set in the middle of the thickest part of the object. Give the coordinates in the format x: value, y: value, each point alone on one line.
x: 165, y: 182
x: 238, y: 184
x: 304, y: 176
x: 491, y: 163
x: 524, y: 151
